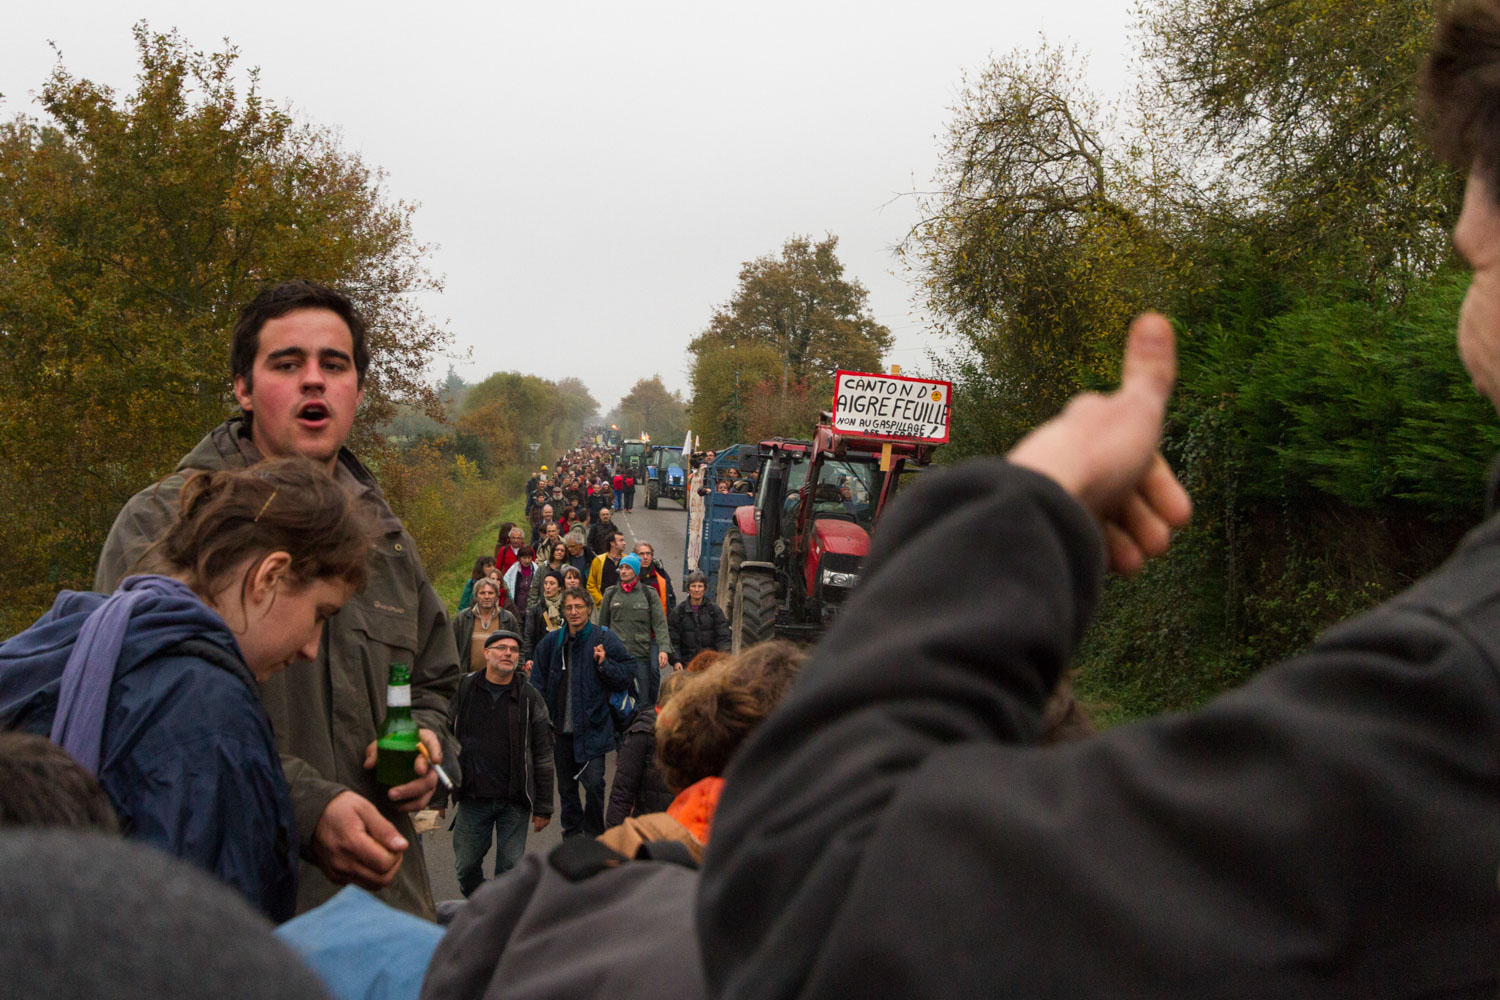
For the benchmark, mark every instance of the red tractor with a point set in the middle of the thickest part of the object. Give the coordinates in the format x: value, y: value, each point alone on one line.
x: 793, y: 554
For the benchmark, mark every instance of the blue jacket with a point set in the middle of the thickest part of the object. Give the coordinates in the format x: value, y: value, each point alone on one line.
x: 187, y: 756
x: 593, y: 727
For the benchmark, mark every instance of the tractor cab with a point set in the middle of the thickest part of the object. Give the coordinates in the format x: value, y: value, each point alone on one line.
x: 633, y: 456
x: 793, y: 555
x: 666, y: 475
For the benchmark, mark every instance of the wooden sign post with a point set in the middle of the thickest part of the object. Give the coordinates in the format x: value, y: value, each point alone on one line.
x: 885, y: 449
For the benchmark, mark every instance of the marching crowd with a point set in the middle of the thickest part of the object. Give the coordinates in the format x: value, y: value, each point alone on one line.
x: 558, y: 591
x: 914, y: 807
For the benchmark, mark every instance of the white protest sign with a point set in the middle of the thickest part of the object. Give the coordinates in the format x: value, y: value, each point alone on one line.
x: 892, y: 407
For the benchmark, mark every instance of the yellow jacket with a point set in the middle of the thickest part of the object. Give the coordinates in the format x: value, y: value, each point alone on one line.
x: 596, y: 583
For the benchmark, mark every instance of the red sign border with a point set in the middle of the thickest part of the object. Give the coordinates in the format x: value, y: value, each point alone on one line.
x: 947, y: 425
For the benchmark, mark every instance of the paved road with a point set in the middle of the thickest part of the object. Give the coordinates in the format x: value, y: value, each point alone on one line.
x: 665, y: 528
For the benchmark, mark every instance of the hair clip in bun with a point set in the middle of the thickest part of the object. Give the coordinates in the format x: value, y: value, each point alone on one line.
x: 266, y: 504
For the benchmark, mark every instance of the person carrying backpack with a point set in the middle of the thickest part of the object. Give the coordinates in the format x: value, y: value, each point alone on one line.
x: 635, y: 613
x: 155, y: 689
x: 575, y: 668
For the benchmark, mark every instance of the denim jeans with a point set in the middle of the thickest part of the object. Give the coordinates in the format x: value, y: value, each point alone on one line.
x: 619, y: 499
x: 471, y: 838
x: 648, y: 678
x: 588, y: 817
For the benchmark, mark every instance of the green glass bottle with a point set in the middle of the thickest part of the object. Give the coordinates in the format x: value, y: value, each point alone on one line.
x: 396, y: 746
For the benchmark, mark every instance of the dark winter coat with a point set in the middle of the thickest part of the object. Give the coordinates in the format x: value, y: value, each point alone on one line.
x: 599, y: 498
x: 638, y: 787
x: 549, y: 930
x: 188, y: 758
x: 582, y: 562
x: 600, y: 534
x: 530, y: 740
x: 1330, y: 829
x: 662, y: 584
x: 693, y: 631
x: 536, y: 629
x: 590, y: 684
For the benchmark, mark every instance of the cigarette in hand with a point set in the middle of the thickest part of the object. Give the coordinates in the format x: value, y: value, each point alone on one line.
x: 442, y: 775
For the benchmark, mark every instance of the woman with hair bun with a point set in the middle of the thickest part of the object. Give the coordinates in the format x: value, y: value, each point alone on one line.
x: 154, y: 689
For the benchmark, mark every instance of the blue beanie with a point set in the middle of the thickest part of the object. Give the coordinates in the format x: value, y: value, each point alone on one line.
x: 634, y: 562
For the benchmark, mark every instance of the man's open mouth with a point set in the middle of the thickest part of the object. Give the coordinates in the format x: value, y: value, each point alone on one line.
x: 313, y: 413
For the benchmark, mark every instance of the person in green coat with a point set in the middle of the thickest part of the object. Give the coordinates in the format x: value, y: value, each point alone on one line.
x: 634, y: 613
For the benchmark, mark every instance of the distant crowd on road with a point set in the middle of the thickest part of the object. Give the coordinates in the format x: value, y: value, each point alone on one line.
x: 571, y: 594
x: 908, y: 808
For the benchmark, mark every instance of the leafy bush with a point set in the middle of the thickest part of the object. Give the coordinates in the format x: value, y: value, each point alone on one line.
x: 442, y: 499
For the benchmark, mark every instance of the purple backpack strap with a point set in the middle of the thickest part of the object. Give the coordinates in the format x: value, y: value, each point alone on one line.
x: 78, y: 726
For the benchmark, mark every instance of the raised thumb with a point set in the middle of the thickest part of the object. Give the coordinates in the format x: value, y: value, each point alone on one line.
x: 1150, y: 366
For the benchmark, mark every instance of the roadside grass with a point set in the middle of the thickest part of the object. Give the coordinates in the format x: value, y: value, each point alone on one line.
x: 449, y: 581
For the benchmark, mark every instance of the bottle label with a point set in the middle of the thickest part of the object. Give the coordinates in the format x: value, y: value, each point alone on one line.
x: 398, y: 697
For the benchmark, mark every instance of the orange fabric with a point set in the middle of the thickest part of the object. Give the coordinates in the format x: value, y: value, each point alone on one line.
x: 659, y: 585
x: 694, y: 806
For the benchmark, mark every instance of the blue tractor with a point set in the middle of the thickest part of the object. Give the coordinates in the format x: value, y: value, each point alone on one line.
x: 666, y: 475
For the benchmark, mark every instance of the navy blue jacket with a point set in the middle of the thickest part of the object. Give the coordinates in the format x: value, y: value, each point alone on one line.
x: 187, y: 756
x: 591, y: 683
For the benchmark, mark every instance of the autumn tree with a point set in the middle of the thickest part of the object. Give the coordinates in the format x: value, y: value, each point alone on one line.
x: 1304, y: 113
x: 1040, y: 241
x: 794, y: 318
x: 1268, y: 186
x: 649, y: 407
x: 724, y: 379
x: 771, y: 411
x: 133, y: 227
x: 508, y: 411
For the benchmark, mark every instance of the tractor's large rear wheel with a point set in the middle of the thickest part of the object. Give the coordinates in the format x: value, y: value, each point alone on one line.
x: 730, y: 556
x: 754, y: 618
x: 651, y: 496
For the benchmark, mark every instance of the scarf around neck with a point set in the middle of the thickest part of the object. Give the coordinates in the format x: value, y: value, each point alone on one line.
x: 552, y: 612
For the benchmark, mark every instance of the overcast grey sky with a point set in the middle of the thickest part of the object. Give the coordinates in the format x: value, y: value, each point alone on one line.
x: 595, y: 173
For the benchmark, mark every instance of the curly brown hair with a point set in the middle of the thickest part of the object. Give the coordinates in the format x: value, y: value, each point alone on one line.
x: 714, y: 711
x: 705, y: 659
x: 1461, y: 86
